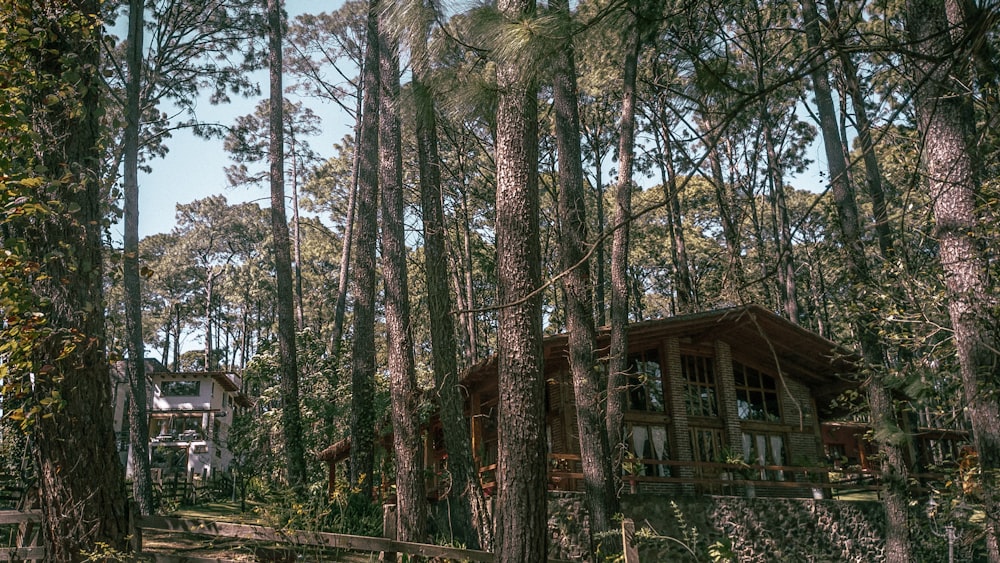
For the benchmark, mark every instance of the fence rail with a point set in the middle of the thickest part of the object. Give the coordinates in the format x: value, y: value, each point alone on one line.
x: 28, y: 538
x: 28, y: 546
x: 295, y: 539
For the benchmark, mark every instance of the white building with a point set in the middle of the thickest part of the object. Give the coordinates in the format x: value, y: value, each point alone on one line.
x: 190, y: 414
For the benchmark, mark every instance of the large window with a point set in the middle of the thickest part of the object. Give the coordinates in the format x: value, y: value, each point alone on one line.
x: 765, y: 448
x: 649, y: 442
x: 180, y: 388
x: 756, y: 395
x: 645, y: 383
x: 700, y: 395
x: 707, y: 447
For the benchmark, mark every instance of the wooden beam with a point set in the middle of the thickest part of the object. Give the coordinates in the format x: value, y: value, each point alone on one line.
x: 22, y: 554
x: 17, y: 516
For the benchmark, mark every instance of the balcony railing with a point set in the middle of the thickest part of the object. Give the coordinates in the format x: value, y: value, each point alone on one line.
x: 566, y: 474
x: 185, y: 436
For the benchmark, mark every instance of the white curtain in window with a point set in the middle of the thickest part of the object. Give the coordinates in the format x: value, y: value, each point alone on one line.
x: 659, y: 434
x: 778, y: 455
x: 640, y: 434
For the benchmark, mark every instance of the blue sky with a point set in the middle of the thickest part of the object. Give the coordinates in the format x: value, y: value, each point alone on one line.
x: 193, y: 167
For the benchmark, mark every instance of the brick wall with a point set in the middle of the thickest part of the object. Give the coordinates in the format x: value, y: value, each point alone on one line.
x: 675, y: 380
x: 727, y: 395
x: 799, y: 412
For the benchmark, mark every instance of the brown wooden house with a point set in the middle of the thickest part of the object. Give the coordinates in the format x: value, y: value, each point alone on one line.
x: 727, y: 401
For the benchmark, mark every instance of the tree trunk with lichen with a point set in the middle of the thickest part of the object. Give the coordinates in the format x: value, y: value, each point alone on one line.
x: 947, y: 127
x: 474, y: 525
x: 80, y: 480
x: 521, y: 506
x: 363, y: 282
x: 588, y: 387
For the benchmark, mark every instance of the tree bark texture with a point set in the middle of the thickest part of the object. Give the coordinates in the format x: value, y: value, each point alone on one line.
x: 947, y: 129
x: 521, y: 469
x: 474, y: 523
x: 893, y: 471
x: 135, y: 365
x: 81, y: 483
x: 686, y: 299
x: 411, y: 499
x: 340, y: 307
x: 782, y: 227
x: 363, y: 420
x: 618, y: 361
x: 588, y: 387
x: 291, y: 418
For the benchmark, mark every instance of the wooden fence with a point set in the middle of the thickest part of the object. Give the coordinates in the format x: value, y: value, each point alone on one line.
x: 26, y: 543
x: 28, y: 546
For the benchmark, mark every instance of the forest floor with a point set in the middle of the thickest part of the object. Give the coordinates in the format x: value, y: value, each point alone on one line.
x: 202, y: 547
x: 194, y: 547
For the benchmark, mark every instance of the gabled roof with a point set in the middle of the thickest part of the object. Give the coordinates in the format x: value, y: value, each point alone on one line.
x: 760, y: 336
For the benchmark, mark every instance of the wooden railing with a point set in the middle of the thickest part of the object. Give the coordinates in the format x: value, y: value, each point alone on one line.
x: 566, y: 473
x: 27, y: 537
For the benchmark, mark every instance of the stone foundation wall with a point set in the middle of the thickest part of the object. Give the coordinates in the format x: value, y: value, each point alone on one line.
x: 569, y: 527
x: 750, y: 529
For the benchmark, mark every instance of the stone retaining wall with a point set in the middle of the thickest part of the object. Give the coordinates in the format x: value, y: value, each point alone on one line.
x: 755, y: 530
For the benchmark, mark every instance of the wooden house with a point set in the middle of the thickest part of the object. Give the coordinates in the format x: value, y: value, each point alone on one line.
x: 726, y: 401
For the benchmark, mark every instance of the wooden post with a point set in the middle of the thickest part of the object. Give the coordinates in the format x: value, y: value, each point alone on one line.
x: 136, y: 534
x: 629, y: 551
x: 388, y: 529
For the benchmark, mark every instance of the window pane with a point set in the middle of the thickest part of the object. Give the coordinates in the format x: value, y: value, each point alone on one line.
x: 636, y: 393
x: 645, y: 383
x: 700, y: 398
x: 757, y: 395
x: 180, y: 388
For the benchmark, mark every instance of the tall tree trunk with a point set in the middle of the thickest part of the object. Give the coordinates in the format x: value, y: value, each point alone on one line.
x: 618, y: 361
x: 734, y: 278
x: 782, y: 227
x: 177, y: 336
x: 522, y: 465
x: 600, y: 277
x: 475, y: 525
x: 345, y: 252
x: 165, y: 352
x: 686, y: 301
x: 893, y: 471
x: 468, y: 287
x: 411, y: 498
x: 602, y: 500
x: 363, y: 282
x: 209, y: 296
x: 300, y: 316
x: 81, y: 483
x: 947, y: 128
x: 873, y: 174
x: 135, y: 365
x: 291, y: 418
